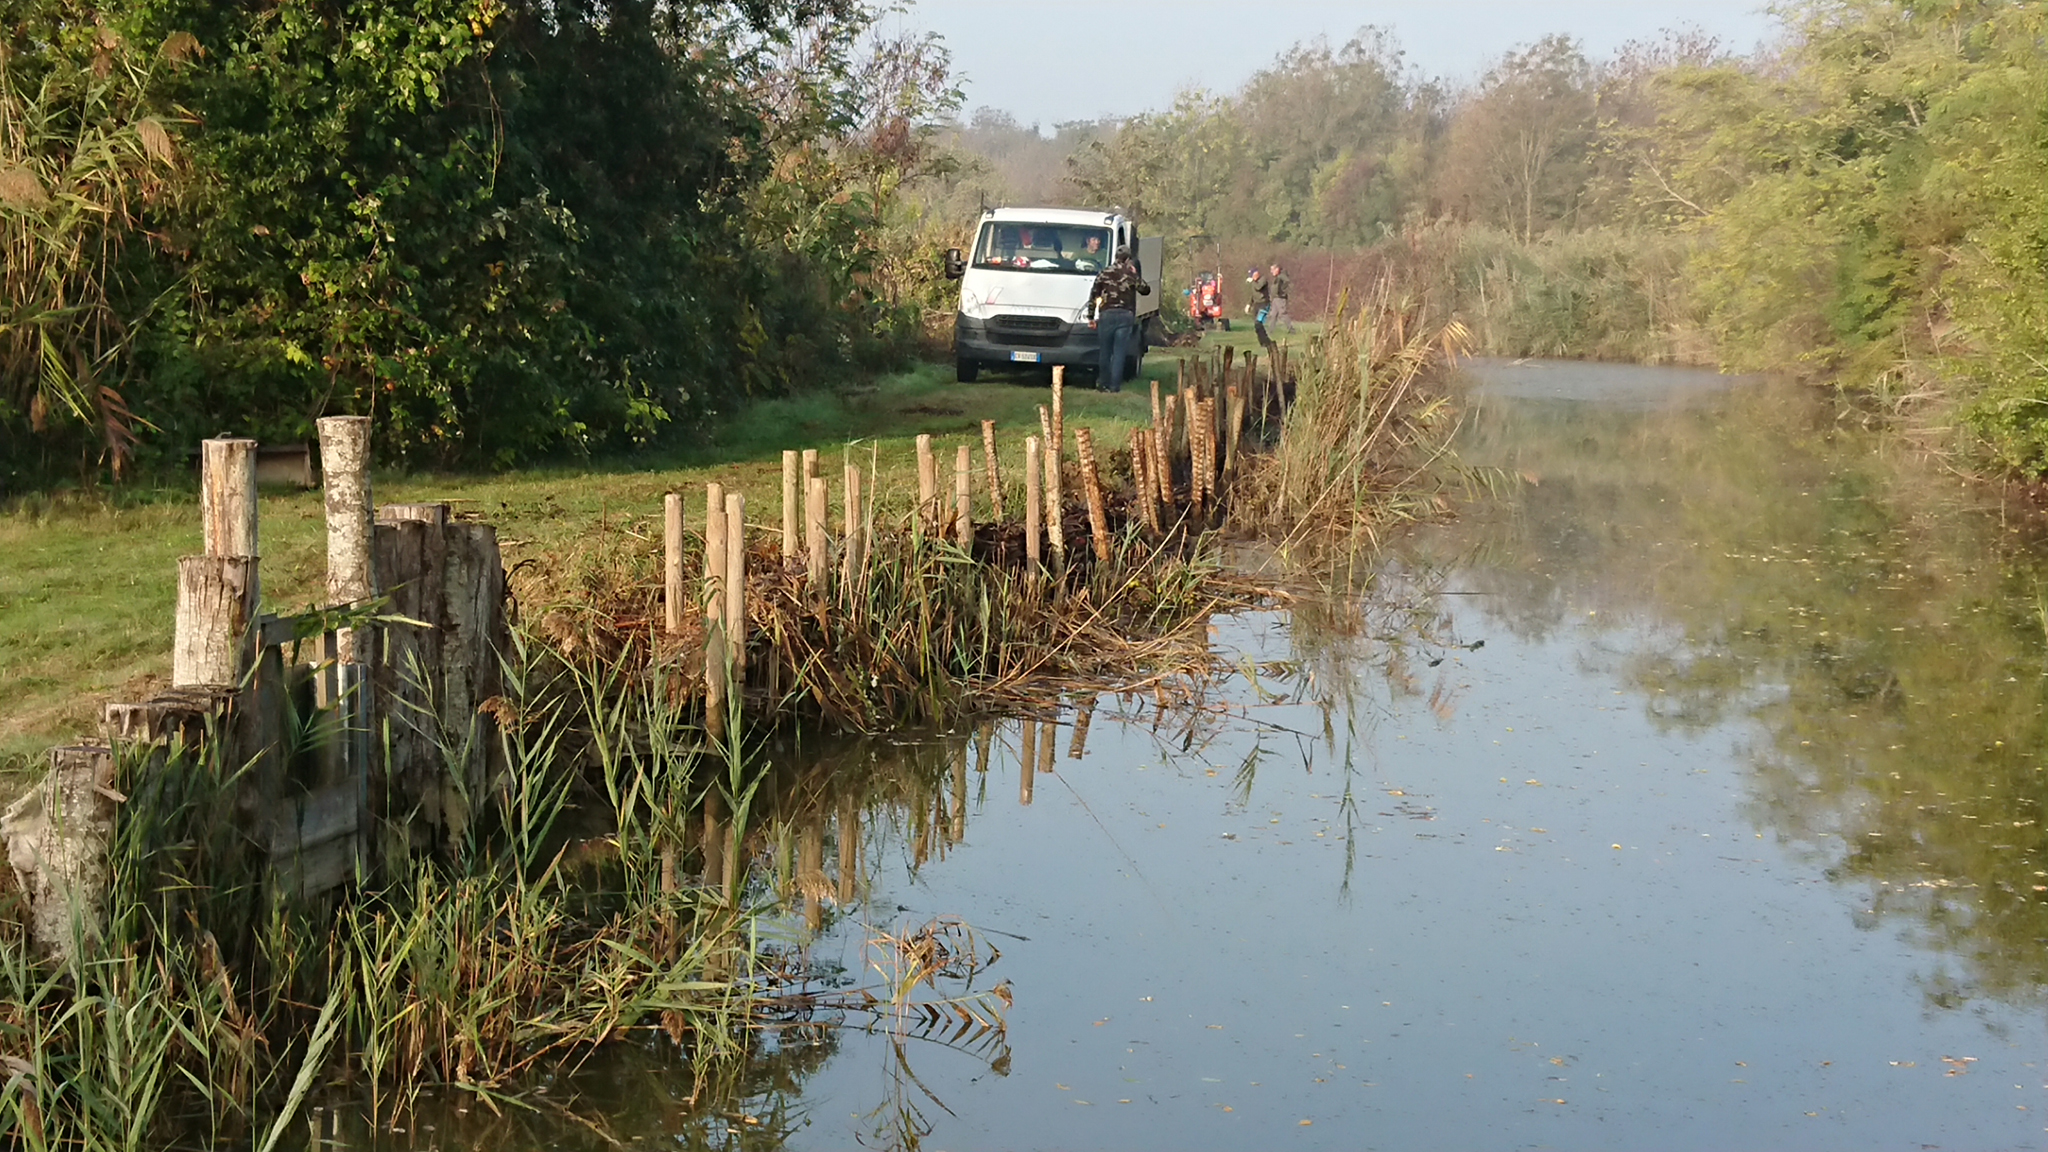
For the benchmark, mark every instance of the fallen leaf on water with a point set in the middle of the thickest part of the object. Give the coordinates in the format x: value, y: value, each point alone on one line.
x: 1062, y: 1087
x: 1306, y: 1123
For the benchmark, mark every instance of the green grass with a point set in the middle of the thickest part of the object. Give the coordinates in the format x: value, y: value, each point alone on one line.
x: 88, y: 584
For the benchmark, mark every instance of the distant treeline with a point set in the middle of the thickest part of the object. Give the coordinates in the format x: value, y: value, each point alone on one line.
x: 1864, y: 200
x: 505, y: 228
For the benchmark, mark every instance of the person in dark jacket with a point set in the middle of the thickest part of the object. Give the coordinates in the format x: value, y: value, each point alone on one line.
x: 1114, y: 301
x: 1282, y: 288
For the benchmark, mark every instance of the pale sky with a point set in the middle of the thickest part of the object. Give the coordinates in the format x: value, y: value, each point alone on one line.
x: 1048, y: 60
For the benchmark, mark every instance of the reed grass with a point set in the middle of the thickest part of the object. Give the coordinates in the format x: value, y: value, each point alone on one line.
x: 1364, y: 444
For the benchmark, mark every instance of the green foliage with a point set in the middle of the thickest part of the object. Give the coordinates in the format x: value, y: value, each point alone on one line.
x: 511, y: 229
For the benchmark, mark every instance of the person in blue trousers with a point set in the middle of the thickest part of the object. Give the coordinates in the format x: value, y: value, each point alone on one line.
x: 1114, y: 300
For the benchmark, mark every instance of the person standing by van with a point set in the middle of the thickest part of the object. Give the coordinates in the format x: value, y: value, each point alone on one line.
x: 1114, y: 299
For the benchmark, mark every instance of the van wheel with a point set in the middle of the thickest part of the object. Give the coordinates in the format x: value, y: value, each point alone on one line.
x: 967, y: 371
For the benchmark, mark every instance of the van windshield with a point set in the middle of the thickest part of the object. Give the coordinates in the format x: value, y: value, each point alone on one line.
x: 1068, y: 248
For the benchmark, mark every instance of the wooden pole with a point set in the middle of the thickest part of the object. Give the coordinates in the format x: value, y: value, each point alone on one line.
x: 1157, y: 416
x: 850, y: 542
x: 816, y: 501
x: 1091, y: 484
x: 1055, y: 531
x: 213, y: 646
x: 995, y: 471
x: 927, y: 487
x: 810, y: 459
x: 673, y: 596
x: 1033, y: 498
x: 714, y: 611
x: 1162, y: 459
x: 227, y: 497
x: 790, y: 474
x: 351, y: 521
x: 1233, y: 426
x: 736, y: 580
x: 1059, y: 414
x: 963, y: 497
x: 1147, y: 488
x: 1048, y: 744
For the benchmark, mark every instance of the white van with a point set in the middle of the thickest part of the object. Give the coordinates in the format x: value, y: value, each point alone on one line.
x: 1024, y: 291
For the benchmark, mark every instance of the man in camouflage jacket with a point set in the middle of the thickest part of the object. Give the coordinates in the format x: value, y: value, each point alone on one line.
x: 1114, y: 299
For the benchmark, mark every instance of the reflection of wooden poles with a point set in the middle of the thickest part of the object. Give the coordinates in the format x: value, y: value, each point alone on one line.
x: 672, y: 594
x: 927, y: 487
x: 959, y: 813
x: 1033, y: 498
x: 984, y: 736
x: 963, y: 497
x: 789, y: 499
x: 1048, y: 741
x: 849, y: 849
x: 1091, y: 485
x: 1027, y: 758
x: 995, y: 471
x: 1083, y: 717
x: 810, y: 868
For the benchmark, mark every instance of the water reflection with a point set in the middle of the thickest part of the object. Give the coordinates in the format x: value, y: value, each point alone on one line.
x: 1878, y: 622
x: 1578, y: 823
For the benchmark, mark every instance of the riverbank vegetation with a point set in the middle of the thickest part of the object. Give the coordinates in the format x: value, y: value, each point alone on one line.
x: 509, y: 231
x: 1857, y: 201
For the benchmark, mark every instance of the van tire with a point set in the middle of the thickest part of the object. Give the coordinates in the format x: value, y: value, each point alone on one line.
x: 966, y: 371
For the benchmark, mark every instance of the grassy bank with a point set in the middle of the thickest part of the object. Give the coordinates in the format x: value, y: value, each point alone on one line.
x: 88, y: 582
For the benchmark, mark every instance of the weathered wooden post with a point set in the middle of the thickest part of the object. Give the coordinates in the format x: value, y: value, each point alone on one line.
x: 1091, y: 484
x: 789, y: 497
x: 216, y: 609
x: 927, y: 487
x: 714, y: 611
x: 673, y: 597
x: 817, y: 543
x: 351, y: 518
x: 736, y: 581
x: 57, y: 837
x: 1048, y: 744
x: 1033, y: 495
x: 1059, y: 414
x: 850, y: 557
x: 1147, y: 487
x: 963, y: 497
x: 1162, y: 461
x: 1233, y: 427
x: 1056, y: 531
x: 219, y: 592
x: 995, y: 471
x: 227, y: 497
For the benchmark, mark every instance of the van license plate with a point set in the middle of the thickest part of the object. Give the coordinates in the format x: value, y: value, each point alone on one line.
x: 1024, y: 357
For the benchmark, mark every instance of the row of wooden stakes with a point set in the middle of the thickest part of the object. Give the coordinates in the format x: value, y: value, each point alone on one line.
x: 1178, y: 467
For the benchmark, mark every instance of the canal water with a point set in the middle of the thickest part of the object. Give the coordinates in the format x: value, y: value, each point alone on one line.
x: 1685, y: 793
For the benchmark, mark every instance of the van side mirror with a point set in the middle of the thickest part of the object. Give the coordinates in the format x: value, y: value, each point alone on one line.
x: 956, y: 264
